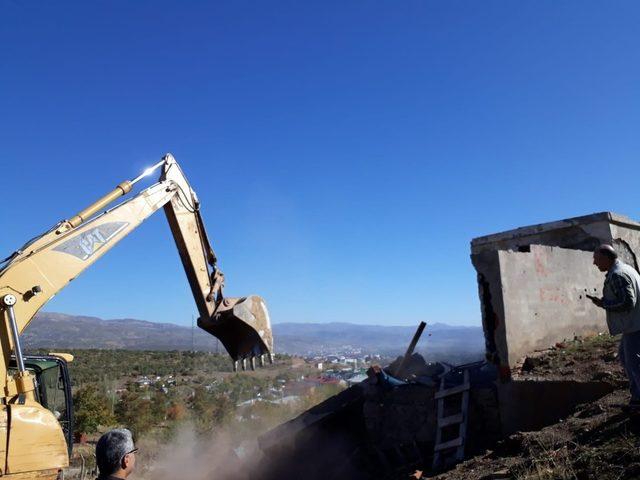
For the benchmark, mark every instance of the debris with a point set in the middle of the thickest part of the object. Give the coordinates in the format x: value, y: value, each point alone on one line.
x: 603, y: 376
x: 530, y: 363
x: 590, y: 411
x: 377, y: 376
x: 400, y: 370
x: 498, y: 474
x: 417, y: 367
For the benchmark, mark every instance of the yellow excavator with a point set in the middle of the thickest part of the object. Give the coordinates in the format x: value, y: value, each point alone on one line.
x: 34, y: 434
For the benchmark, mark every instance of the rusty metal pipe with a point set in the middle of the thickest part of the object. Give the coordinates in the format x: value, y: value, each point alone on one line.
x: 414, y: 341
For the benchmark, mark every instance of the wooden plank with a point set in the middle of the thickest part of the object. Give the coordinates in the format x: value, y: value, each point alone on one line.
x: 414, y: 341
x: 456, y: 442
x: 450, y: 420
x: 453, y: 390
x: 463, y: 425
x: 436, y: 455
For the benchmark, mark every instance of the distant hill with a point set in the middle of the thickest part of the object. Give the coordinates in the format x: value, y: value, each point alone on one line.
x: 438, y: 339
x: 58, y: 330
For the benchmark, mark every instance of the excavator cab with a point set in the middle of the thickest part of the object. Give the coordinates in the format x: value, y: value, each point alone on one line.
x: 53, y: 387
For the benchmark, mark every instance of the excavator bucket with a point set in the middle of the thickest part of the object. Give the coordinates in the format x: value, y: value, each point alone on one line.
x: 244, y: 328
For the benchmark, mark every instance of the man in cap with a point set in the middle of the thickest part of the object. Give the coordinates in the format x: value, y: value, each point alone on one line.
x: 621, y: 300
x: 115, y: 455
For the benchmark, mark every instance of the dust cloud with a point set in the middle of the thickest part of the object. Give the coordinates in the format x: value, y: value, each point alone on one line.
x: 192, y: 456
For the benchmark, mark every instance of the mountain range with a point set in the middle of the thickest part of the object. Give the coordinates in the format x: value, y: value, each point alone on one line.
x: 51, y: 330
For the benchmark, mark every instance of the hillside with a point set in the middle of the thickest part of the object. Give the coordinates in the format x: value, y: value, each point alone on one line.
x: 49, y: 330
x: 60, y: 330
x: 598, y: 441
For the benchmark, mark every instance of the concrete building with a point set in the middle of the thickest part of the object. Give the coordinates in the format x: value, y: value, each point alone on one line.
x: 533, y: 282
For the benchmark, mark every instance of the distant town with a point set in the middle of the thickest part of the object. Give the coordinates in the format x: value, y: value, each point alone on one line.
x: 340, y: 368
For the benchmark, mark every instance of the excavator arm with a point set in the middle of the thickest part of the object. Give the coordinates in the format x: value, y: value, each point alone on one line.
x: 242, y: 324
x: 43, y: 267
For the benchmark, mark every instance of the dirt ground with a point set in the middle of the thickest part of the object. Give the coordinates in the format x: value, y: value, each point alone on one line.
x: 594, y: 358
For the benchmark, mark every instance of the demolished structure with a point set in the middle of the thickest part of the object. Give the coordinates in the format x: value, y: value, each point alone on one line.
x: 532, y: 284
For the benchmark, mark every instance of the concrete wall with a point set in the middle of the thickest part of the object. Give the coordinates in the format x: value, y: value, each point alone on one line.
x: 544, y: 298
x: 532, y: 405
x: 626, y: 241
x: 532, y: 282
x: 492, y: 305
x: 579, y: 233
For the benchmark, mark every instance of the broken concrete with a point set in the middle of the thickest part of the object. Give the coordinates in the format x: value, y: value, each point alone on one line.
x: 533, y: 280
x: 373, y: 430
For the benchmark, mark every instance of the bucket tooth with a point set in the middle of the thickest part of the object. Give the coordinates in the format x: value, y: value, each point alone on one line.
x: 244, y: 364
x: 270, y: 356
x: 261, y: 360
x: 252, y: 362
x: 235, y: 365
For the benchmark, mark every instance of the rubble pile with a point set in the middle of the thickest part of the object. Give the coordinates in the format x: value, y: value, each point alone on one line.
x: 381, y: 427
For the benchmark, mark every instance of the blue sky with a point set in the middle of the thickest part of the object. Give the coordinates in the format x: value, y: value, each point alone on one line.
x: 344, y: 152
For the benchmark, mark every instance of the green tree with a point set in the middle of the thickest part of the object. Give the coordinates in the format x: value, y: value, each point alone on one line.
x: 91, y: 410
x: 140, y: 410
x: 209, y: 410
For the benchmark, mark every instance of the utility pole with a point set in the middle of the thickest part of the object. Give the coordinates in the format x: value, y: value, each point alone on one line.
x: 193, y: 341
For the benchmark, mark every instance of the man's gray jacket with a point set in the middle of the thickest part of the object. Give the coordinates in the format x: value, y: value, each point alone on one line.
x: 620, y: 298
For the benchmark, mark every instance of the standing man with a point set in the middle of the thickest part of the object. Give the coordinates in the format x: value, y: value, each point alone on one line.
x: 621, y: 300
x: 115, y: 455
